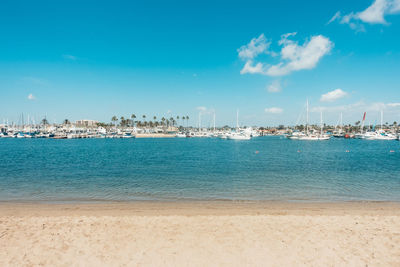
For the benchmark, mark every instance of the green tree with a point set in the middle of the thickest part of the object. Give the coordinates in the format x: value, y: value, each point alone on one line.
x: 133, y: 117
x: 114, y: 119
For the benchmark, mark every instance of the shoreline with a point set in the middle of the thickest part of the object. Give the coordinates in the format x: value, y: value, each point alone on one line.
x: 193, y: 208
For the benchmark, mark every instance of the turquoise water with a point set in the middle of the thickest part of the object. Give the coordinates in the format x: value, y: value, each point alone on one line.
x: 264, y: 168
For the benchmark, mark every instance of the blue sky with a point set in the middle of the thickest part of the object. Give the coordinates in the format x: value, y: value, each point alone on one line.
x: 96, y: 59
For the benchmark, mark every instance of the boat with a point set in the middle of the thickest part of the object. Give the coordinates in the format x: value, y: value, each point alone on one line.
x: 295, y: 135
x: 239, y: 134
x: 361, y: 134
x: 311, y: 136
x: 379, y: 134
x: 340, y: 133
x: 181, y: 135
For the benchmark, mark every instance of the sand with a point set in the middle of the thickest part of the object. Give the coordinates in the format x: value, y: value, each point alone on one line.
x: 200, y: 234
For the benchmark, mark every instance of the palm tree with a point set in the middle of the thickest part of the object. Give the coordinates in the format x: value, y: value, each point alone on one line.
x: 114, y: 119
x: 133, y: 117
x: 187, y: 121
x: 45, y: 121
x: 144, y: 119
x: 177, y: 118
x: 123, y: 121
x: 183, y: 121
x: 162, y: 121
x: 155, y: 120
x: 66, y: 121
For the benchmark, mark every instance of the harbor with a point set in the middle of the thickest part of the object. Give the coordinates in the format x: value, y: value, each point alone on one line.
x: 83, y: 129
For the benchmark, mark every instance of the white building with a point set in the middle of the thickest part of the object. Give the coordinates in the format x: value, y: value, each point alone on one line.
x: 86, y: 123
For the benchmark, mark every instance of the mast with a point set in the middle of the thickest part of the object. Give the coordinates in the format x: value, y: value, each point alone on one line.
x: 199, y: 121
x: 237, y: 119
x: 214, y: 121
x: 341, y: 122
x: 307, y: 118
x: 381, y: 120
x: 322, y: 126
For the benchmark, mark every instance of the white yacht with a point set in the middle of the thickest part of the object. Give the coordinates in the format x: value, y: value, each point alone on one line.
x: 181, y: 135
x: 239, y: 134
x: 380, y: 134
x: 295, y: 135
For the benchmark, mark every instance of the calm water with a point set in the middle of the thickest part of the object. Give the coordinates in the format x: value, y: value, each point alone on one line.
x: 198, y: 169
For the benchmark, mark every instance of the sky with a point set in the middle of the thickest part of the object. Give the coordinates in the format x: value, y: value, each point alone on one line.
x: 96, y: 59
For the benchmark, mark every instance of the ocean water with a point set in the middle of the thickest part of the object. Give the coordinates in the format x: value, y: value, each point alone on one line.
x: 264, y: 168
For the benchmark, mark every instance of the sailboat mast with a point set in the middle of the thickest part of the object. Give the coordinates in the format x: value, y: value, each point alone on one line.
x: 237, y: 119
x: 199, y: 121
x: 341, y: 122
x: 214, y: 121
x: 322, y: 126
x: 307, y: 118
x: 381, y: 119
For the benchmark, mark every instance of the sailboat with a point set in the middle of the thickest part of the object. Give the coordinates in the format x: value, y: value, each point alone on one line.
x: 380, y: 134
x: 361, y: 135
x: 340, y: 133
x: 238, y: 135
x: 308, y: 136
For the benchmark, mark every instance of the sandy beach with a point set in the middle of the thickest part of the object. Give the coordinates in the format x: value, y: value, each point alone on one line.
x: 200, y: 234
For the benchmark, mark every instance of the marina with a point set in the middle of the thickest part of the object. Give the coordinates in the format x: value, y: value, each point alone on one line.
x: 90, y: 129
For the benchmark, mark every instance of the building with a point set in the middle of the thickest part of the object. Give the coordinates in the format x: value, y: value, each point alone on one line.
x: 86, y: 123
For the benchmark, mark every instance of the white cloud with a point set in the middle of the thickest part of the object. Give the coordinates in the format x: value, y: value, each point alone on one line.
x: 249, y: 68
x: 335, y: 17
x: 256, y: 46
x: 284, y: 37
x: 393, y: 104
x: 31, y: 97
x: 204, y: 110
x: 374, y: 14
x: 70, y: 57
x: 300, y: 57
x: 294, y: 57
x: 275, y: 87
x: 333, y: 95
x: 273, y: 110
x: 359, y: 107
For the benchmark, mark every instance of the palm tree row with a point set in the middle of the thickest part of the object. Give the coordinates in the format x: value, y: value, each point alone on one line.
x: 123, y: 122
